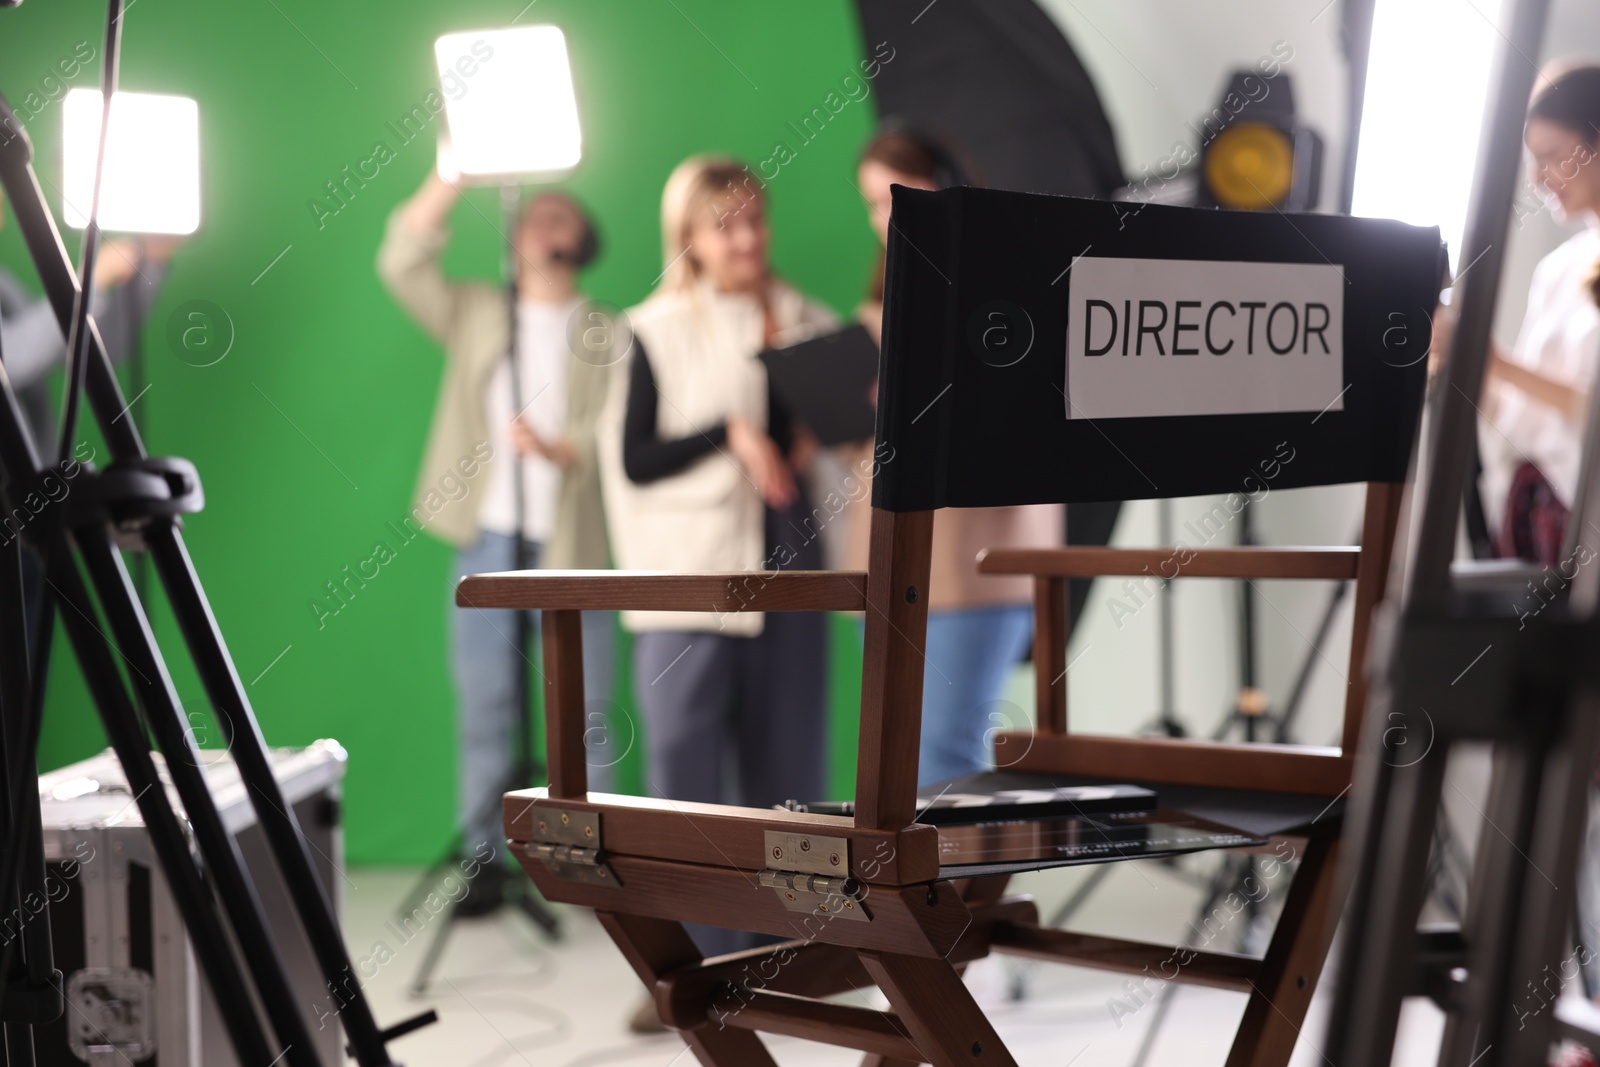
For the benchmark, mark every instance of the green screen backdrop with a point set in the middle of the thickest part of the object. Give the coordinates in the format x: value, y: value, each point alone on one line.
x: 308, y: 431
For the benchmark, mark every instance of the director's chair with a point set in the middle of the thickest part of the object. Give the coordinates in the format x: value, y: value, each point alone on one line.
x: 969, y: 418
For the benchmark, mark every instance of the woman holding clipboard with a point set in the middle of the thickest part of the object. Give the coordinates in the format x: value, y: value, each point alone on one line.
x: 700, y: 476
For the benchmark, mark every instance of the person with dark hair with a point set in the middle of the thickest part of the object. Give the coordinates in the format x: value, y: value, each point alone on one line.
x: 1537, y: 395
x: 480, y: 444
x: 979, y: 626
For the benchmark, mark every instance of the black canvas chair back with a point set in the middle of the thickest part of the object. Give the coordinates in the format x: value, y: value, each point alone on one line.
x: 1205, y: 345
x: 1050, y: 349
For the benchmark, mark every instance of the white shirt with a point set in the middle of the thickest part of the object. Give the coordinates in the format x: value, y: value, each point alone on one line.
x: 542, y: 366
x: 1560, y: 339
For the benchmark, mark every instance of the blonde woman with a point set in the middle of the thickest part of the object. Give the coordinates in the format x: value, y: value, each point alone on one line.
x: 699, y: 477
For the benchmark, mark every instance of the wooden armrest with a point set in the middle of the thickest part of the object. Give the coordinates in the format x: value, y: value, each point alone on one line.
x: 665, y: 591
x: 1336, y: 562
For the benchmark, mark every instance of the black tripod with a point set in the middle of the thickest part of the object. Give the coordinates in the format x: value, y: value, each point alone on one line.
x: 1167, y: 722
x: 1251, y: 709
x: 138, y: 500
x: 524, y: 771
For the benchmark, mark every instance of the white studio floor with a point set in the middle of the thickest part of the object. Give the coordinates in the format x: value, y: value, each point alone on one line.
x: 506, y: 995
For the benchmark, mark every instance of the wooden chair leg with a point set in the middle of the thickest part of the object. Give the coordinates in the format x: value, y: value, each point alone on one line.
x: 973, y: 891
x: 1288, y: 976
x: 944, y: 1020
x: 655, y: 947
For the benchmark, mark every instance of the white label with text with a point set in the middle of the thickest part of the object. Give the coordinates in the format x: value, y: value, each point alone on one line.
x: 1162, y: 337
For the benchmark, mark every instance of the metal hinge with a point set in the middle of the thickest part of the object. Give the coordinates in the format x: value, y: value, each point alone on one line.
x: 568, y: 844
x: 812, y: 874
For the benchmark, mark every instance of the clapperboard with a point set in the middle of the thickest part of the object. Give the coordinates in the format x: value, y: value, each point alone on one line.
x: 940, y: 807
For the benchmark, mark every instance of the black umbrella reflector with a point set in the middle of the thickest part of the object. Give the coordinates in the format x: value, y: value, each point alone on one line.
x: 997, y: 80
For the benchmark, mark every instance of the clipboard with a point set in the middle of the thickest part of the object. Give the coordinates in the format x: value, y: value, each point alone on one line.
x: 826, y: 382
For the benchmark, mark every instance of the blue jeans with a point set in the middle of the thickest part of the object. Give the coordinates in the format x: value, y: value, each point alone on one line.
x: 969, y: 653
x: 487, y: 664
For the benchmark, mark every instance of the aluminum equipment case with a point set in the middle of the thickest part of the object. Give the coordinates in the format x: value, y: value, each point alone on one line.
x: 134, y: 991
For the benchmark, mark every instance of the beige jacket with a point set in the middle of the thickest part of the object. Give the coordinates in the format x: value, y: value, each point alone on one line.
x: 959, y: 534
x: 708, y: 517
x: 471, y: 320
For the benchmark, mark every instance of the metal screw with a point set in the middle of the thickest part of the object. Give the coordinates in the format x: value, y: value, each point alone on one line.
x: 789, y: 895
x: 588, y: 831
x: 833, y: 858
x: 777, y: 853
x: 849, y: 905
x: 911, y: 594
x: 541, y: 826
x: 565, y: 819
x: 977, y: 1048
x: 805, y: 844
x: 601, y: 871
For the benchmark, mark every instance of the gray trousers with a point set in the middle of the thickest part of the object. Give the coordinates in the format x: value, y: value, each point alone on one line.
x: 738, y: 720
x: 745, y: 712
x: 735, y: 720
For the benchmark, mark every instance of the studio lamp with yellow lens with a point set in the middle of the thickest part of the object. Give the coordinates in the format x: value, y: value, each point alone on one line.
x: 1254, y: 156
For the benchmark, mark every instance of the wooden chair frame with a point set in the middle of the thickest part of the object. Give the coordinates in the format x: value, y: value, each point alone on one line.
x: 647, y: 866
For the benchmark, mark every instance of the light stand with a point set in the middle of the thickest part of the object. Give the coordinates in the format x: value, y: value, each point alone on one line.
x: 524, y: 771
x: 518, y: 123
x: 1167, y: 722
x: 141, y: 498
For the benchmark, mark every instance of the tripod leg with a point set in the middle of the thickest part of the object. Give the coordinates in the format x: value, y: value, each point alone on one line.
x: 290, y: 847
x: 194, y: 899
x: 1393, y: 813
x: 432, y: 876
x: 19, y: 797
x: 436, y: 947
x: 1148, y: 1042
x: 164, y: 716
x: 1070, y: 906
x: 531, y: 906
x: 19, y: 1045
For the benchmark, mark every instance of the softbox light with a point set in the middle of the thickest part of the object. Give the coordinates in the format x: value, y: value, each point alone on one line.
x: 152, y: 167
x: 509, y: 103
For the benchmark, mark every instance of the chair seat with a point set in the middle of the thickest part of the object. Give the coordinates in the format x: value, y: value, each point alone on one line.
x: 1187, y: 819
